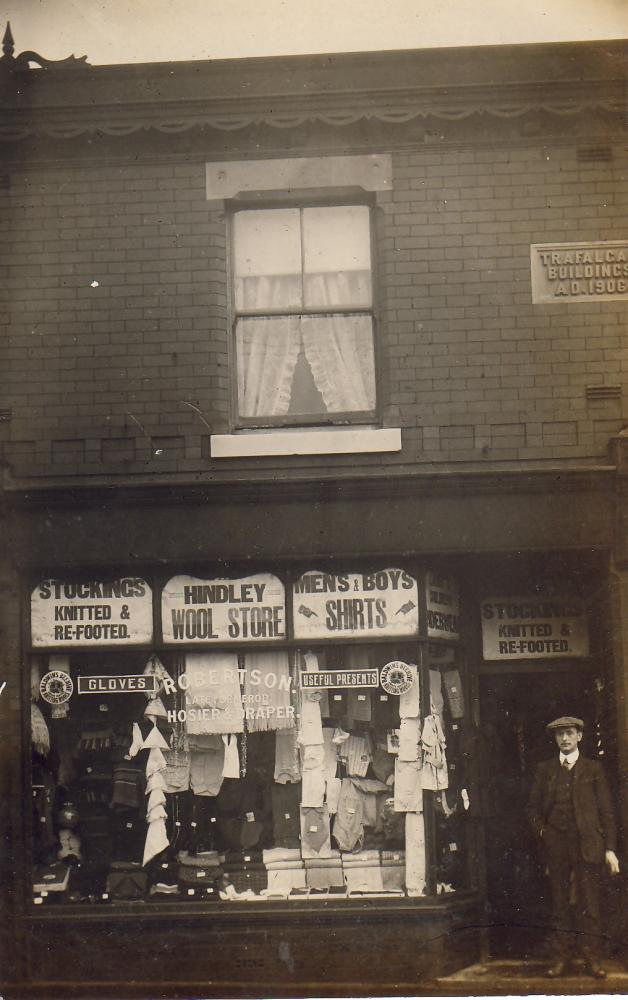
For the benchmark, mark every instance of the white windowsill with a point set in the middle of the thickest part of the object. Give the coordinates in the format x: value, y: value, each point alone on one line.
x: 331, y: 441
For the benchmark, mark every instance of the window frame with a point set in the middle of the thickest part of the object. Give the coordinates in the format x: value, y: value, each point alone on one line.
x: 362, y: 418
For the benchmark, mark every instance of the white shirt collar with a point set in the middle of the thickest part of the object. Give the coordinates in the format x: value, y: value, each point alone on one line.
x: 571, y: 757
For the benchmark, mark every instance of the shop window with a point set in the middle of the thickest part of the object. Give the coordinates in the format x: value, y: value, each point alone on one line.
x: 237, y: 778
x: 303, y: 306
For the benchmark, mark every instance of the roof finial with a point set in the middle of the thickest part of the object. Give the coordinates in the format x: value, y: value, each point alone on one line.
x: 8, y: 47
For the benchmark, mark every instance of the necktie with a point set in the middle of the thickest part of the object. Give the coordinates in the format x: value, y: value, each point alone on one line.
x: 567, y: 764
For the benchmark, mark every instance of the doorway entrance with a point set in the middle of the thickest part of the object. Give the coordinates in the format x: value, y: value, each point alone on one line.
x: 514, y: 710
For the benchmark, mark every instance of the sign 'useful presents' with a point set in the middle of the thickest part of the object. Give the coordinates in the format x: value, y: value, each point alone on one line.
x: 223, y: 611
x: 92, y: 612
x: 344, y: 605
x: 533, y: 628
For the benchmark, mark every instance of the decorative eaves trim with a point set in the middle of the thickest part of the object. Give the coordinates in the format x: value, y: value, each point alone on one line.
x: 70, y: 122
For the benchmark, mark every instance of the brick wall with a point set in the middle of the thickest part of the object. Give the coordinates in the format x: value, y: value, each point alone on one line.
x: 115, y: 342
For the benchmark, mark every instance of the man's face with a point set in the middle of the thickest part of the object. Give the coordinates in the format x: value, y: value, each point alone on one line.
x: 567, y: 738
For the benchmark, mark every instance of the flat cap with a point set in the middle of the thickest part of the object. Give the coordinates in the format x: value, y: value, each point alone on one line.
x: 564, y: 722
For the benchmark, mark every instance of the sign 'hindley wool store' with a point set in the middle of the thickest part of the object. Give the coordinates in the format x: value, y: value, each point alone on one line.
x: 92, y: 612
x: 223, y: 611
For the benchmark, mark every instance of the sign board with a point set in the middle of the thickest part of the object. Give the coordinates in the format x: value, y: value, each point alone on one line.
x: 351, y: 678
x: 579, y: 272
x: 92, y: 613
x: 223, y: 611
x: 127, y: 684
x: 534, y: 628
x: 346, y: 605
x: 443, y: 606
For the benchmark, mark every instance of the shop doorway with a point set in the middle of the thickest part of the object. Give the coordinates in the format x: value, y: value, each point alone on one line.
x: 514, y: 709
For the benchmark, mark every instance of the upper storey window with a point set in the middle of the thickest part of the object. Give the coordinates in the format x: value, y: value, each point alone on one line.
x: 303, y: 302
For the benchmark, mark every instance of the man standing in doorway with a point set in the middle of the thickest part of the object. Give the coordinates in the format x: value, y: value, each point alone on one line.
x: 571, y: 812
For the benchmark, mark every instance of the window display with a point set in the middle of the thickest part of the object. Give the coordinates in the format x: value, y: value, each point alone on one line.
x: 247, y: 774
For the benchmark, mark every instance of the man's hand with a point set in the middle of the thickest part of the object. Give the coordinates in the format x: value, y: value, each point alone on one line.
x: 612, y: 862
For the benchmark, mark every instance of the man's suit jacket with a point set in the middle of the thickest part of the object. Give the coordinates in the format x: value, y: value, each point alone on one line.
x: 593, y: 807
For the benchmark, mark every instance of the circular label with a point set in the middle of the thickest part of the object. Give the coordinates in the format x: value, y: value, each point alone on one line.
x: 396, y: 677
x: 56, y: 687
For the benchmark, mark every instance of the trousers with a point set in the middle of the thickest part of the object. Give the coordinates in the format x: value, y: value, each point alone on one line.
x: 573, y: 928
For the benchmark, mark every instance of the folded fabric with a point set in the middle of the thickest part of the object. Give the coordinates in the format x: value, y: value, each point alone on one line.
x: 189, y: 877
x: 285, y: 801
x: 393, y: 876
x: 393, y: 857
x: 286, y: 879
x: 136, y: 741
x: 366, y: 879
x: 408, y: 786
x: 310, y: 723
x: 280, y: 866
x: 156, y: 839
x: 155, y: 798
x: 155, y: 740
x: 358, y: 857
x: 281, y: 854
x: 409, y: 738
x: 333, y: 787
x: 415, y: 854
x: 410, y: 701
x: 332, y: 861
x: 324, y: 878
x: 157, y: 812
x: 156, y: 780
x: 155, y: 668
x: 156, y: 761
x: 313, y: 788
x: 156, y: 709
x: 209, y: 859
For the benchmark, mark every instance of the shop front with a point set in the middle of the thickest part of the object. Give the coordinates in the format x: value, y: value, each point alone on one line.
x: 274, y: 770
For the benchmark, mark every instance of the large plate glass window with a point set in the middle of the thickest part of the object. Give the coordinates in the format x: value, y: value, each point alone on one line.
x: 303, y: 302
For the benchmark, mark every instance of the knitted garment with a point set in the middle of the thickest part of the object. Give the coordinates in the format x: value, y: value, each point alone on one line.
x: 348, y: 829
x: 359, y: 705
x: 206, y: 771
x: 310, y: 723
x: 287, y: 767
x: 267, y: 691
x: 434, y: 774
x: 212, y: 697
x: 436, y: 692
x: 453, y: 690
x: 40, y: 737
x: 315, y: 839
x: 177, y: 773
x: 357, y: 751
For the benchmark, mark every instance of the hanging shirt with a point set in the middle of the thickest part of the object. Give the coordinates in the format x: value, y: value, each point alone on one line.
x: 410, y: 701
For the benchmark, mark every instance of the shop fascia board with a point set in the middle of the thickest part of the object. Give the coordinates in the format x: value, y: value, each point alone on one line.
x: 260, y: 485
